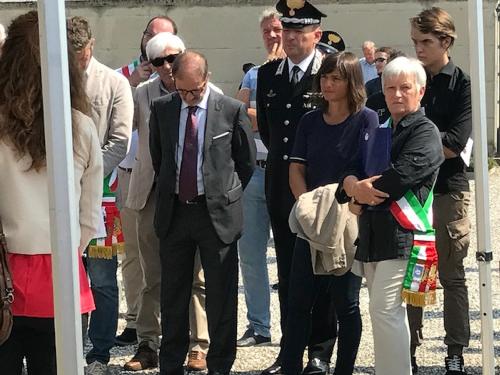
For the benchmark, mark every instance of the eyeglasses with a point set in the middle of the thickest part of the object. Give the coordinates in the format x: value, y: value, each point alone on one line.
x: 159, y: 61
x: 194, y: 92
x: 380, y: 60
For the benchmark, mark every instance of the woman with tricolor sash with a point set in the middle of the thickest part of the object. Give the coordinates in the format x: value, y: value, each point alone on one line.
x: 396, y: 250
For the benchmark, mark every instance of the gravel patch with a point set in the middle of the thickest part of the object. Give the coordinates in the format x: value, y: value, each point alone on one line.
x: 430, y: 355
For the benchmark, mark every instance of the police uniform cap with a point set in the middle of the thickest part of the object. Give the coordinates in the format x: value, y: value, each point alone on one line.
x: 297, y: 14
x: 331, y: 42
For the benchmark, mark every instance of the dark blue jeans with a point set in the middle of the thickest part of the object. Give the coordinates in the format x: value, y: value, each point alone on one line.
x: 304, y: 289
x: 104, y: 319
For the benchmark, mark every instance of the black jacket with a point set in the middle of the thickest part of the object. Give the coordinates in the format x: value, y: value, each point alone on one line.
x: 416, y: 154
x: 279, y: 109
x: 228, y: 161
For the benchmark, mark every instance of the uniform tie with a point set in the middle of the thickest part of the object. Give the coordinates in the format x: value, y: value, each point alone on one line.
x: 295, y: 75
x: 188, y: 181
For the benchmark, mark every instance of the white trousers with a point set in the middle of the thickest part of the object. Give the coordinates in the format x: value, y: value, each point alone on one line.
x: 391, y: 334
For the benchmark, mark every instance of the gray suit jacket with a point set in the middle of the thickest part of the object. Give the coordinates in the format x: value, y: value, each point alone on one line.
x: 228, y: 161
x: 112, y: 112
x: 142, y: 178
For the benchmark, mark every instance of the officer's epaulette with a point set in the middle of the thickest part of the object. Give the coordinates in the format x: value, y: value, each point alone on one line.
x: 272, y: 62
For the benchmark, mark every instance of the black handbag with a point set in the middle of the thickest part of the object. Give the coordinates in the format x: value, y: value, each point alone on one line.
x: 6, y: 291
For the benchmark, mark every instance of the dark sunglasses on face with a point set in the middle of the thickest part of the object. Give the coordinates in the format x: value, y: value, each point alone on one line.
x: 380, y: 60
x: 159, y: 61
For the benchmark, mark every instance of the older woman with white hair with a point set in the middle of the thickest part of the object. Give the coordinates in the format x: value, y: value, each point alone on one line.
x: 162, y: 51
x: 389, y: 204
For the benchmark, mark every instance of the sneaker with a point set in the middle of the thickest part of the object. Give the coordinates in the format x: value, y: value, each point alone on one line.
x: 96, y: 368
x: 249, y: 338
x: 127, y: 337
x: 454, y: 365
x: 414, y: 366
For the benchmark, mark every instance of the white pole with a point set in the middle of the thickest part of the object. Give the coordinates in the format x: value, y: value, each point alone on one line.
x: 484, y: 253
x: 59, y: 145
x: 496, y: 117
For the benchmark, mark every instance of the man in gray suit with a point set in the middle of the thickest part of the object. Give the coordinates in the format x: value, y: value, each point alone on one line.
x: 112, y: 112
x: 203, y: 156
x: 162, y: 51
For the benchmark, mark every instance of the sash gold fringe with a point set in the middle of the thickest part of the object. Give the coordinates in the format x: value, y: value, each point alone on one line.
x: 105, y: 252
x: 419, y: 299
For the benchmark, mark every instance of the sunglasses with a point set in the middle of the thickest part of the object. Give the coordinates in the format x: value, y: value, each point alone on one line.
x: 380, y: 60
x: 159, y: 61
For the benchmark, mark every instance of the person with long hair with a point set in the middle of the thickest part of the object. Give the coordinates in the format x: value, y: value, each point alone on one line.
x: 24, y: 206
x: 327, y: 139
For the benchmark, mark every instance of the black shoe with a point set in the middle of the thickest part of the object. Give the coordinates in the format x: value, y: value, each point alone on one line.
x: 127, y: 337
x: 414, y: 366
x: 316, y: 366
x: 249, y: 338
x: 454, y: 365
x: 274, y: 369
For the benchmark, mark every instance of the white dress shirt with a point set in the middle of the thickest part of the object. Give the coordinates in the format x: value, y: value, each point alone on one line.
x: 201, y: 119
x: 303, y: 65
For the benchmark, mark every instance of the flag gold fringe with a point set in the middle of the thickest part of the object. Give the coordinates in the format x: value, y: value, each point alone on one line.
x: 105, y: 252
x: 419, y: 299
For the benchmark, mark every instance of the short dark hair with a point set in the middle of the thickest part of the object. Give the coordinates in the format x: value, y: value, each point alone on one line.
x: 387, y: 50
x: 180, y: 63
x: 348, y: 67
x: 166, y: 18
x: 395, y: 54
x: 79, y: 32
x: 435, y: 21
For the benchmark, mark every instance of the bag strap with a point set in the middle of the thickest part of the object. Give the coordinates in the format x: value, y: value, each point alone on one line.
x: 8, y: 298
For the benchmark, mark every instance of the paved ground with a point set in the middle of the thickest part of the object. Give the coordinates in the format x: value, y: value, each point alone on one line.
x: 430, y: 355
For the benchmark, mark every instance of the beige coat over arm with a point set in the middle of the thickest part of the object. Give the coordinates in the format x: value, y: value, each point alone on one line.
x: 112, y: 111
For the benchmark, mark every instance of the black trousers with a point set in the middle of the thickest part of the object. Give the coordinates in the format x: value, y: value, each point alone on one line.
x: 340, y: 294
x: 33, y: 339
x: 324, y: 322
x: 191, y: 229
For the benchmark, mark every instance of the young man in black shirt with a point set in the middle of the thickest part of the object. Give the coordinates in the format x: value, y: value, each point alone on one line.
x: 447, y: 102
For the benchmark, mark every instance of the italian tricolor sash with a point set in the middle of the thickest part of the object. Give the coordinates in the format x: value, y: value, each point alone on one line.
x: 113, y: 243
x: 419, y: 286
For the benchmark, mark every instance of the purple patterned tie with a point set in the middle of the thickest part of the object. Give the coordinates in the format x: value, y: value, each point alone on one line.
x: 188, y: 187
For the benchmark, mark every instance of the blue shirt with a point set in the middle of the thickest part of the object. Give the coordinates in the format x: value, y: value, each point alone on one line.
x: 327, y: 149
x: 369, y: 70
x: 250, y: 82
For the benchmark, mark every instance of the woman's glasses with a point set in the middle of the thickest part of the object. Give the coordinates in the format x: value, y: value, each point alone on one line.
x: 159, y: 61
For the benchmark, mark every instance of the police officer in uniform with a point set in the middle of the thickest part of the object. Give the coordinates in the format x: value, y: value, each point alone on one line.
x: 283, y: 90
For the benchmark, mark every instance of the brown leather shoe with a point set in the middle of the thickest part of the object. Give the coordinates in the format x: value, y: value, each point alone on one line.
x: 144, y: 358
x: 196, y: 361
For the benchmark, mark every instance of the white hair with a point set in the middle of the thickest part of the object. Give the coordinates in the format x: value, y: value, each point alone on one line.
x: 3, y: 35
x: 405, y: 66
x: 157, y: 45
x: 269, y: 13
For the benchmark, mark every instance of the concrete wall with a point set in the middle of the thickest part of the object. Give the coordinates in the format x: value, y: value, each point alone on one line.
x: 226, y: 31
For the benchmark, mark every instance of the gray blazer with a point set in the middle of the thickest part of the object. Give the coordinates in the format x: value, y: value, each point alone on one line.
x: 228, y: 161
x: 112, y: 111
x: 142, y: 178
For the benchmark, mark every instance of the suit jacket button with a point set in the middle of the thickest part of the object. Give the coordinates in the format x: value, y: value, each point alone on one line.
x: 286, y: 122
x: 285, y: 157
x: 285, y: 139
x: 289, y: 105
